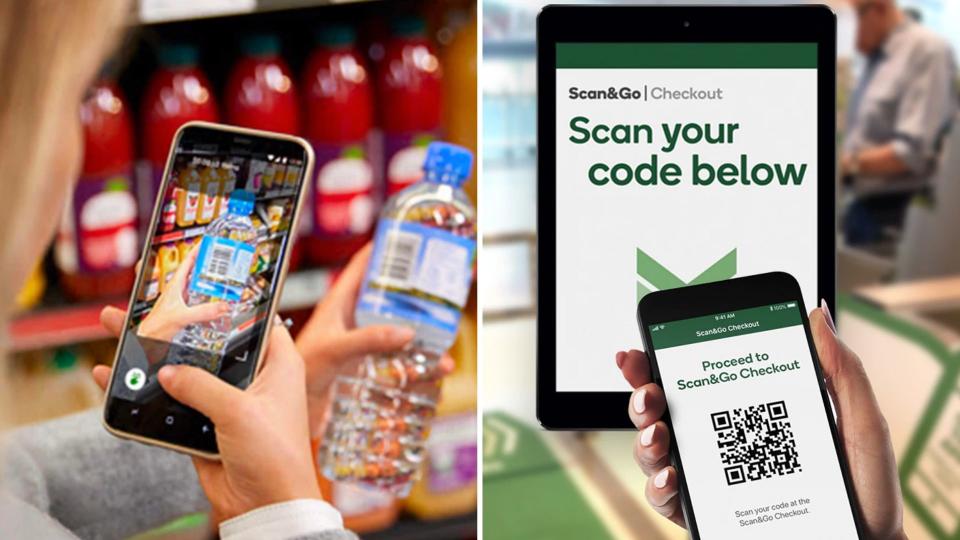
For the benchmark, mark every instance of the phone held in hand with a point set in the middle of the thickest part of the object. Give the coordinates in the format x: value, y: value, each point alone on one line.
x: 753, y: 436
x: 213, y: 266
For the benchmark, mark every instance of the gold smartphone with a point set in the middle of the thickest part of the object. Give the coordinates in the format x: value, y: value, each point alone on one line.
x: 212, y: 269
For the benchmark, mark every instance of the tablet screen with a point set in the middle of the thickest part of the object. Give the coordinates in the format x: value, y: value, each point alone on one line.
x: 677, y: 163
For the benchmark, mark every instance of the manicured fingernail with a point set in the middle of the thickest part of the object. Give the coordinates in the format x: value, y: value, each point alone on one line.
x: 646, y: 436
x: 638, y: 401
x: 660, y: 480
x: 621, y: 357
x: 827, y: 315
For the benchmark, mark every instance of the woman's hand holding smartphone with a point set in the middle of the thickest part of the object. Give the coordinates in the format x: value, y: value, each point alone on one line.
x: 863, y: 432
x: 262, y: 431
x: 328, y: 344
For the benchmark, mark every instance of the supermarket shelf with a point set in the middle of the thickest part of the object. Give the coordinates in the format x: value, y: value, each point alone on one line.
x: 164, y: 11
x: 67, y: 325
x: 179, y: 234
x: 58, y: 326
x: 464, y: 526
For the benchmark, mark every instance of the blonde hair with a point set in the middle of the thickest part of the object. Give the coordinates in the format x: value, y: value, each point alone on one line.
x: 49, y: 52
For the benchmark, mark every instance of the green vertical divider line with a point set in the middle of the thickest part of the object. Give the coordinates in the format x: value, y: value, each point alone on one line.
x: 526, y: 492
x: 938, y: 399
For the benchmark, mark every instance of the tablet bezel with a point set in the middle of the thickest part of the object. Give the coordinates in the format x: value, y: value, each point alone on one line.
x: 718, y: 24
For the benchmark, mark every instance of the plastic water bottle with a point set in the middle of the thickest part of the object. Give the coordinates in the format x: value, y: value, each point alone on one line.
x: 220, y: 273
x: 419, y: 276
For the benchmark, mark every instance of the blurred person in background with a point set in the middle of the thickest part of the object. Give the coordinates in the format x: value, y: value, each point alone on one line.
x: 68, y: 478
x: 898, y: 114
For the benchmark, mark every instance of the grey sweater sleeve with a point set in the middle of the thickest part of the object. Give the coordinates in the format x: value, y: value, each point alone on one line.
x: 94, y: 484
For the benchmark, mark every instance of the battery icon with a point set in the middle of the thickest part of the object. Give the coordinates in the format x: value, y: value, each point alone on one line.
x: 792, y: 304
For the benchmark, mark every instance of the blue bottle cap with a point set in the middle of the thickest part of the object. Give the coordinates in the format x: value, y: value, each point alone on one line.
x: 241, y: 202
x: 447, y: 164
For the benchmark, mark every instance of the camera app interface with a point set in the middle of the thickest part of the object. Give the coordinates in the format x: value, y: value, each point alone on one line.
x: 750, y: 424
x: 214, y: 259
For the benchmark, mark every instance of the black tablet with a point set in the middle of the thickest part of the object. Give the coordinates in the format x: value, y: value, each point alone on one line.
x: 676, y: 145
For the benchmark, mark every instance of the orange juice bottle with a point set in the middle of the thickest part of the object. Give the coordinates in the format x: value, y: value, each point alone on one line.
x: 228, y: 179
x: 188, y: 197
x: 151, y: 286
x: 184, y: 247
x: 210, y: 187
x: 168, y: 258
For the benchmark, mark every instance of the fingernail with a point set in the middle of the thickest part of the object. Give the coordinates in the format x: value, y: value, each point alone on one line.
x: 646, y: 436
x: 827, y: 315
x: 638, y: 401
x: 660, y: 480
x: 621, y: 357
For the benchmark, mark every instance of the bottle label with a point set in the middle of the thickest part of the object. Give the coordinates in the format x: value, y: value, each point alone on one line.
x: 418, y: 273
x: 404, y: 156
x: 208, y: 202
x: 222, y: 268
x: 452, y: 448
x: 98, y: 232
x: 342, y: 195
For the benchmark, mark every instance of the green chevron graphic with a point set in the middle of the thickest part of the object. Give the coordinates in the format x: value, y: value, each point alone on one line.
x: 660, y: 278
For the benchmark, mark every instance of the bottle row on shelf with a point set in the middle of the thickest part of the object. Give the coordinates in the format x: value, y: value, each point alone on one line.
x: 368, y: 119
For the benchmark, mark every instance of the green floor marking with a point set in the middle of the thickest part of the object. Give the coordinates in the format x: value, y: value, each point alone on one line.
x: 526, y: 493
x: 923, y: 432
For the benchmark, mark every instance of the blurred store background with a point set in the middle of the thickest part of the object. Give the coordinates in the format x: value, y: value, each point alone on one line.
x: 280, y: 65
x: 899, y: 304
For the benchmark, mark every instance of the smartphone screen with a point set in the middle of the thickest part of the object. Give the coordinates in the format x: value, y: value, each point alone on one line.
x: 217, y: 243
x: 751, y: 426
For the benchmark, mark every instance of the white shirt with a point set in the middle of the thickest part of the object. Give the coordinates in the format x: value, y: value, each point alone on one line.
x: 290, y: 519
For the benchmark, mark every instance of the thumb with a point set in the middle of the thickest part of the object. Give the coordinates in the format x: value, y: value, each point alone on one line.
x: 843, y: 371
x: 200, y: 390
x: 179, y: 279
x: 863, y: 429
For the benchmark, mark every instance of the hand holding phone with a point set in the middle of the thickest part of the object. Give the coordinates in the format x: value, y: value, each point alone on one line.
x: 262, y: 431
x: 862, y: 436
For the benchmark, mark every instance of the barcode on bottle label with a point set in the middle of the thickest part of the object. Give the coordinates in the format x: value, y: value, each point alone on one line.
x: 220, y: 258
x: 399, y: 259
x: 223, y: 268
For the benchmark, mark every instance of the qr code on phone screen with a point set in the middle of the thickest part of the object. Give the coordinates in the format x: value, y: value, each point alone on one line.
x: 755, y: 442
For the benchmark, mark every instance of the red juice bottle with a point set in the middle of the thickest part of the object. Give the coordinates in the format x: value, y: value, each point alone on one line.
x: 260, y: 91
x: 338, y: 102
x: 260, y: 94
x: 178, y: 92
x: 96, y: 247
x: 410, y: 96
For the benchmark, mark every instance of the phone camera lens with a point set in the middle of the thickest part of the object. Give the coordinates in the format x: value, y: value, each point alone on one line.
x: 686, y: 24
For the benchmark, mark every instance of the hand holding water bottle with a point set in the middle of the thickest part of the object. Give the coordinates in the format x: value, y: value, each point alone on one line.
x: 171, y: 314
x: 332, y: 344
x: 419, y: 275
